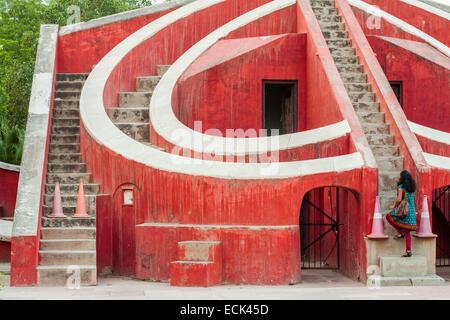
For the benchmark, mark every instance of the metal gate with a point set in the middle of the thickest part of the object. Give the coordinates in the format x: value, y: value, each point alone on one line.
x: 319, y: 229
x: 441, y: 225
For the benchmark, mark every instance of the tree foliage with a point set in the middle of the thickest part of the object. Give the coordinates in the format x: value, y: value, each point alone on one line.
x: 20, y: 22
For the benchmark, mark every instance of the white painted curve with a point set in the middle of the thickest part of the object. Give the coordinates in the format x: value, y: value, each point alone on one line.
x: 400, y: 24
x: 430, y: 133
x: 99, y: 126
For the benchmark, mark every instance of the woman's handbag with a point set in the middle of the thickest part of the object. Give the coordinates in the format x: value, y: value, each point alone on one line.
x: 402, y: 209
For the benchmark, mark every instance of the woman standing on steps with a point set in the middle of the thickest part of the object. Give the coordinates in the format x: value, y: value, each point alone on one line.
x: 404, y: 225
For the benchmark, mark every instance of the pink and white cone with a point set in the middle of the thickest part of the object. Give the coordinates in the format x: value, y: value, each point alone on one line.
x: 57, y: 211
x: 81, y: 203
x: 425, y: 223
x: 378, y: 223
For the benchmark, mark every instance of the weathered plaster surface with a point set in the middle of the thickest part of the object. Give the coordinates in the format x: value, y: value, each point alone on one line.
x: 123, y: 16
x: 33, y: 159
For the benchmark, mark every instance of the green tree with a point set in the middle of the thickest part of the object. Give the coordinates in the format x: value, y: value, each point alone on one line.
x: 20, y: 22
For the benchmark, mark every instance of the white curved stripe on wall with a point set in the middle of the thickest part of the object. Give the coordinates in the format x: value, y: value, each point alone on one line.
x: 430, y: 133
x: 429, y: 8
x: 100, y: 127
x: 9, y: 167
x: 165, y: 122
x: 437, y: 161
x: 400, y: 24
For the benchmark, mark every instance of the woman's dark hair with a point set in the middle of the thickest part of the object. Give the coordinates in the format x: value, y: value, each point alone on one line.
x: 407, y: 181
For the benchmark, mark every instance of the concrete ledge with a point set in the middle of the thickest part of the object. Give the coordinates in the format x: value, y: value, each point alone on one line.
x: 9, y: 167
x: 415, y: 266
x: 430, y: 133
x: 123, y: 16
x: 5, y: 230
x: 379, y: 281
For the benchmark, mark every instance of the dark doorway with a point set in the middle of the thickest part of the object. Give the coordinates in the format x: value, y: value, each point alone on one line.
x: 319, y: 229
x: 397, y: 87
x: 280, y: 106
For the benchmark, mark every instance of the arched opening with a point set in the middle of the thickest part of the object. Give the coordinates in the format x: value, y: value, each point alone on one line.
x: 441, y: 225
x: 330, y: 231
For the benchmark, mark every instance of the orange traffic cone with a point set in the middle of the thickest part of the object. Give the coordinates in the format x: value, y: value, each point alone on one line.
x: 57, y: 211
x: 425, y: 224
x: 81, y: 203
x: 377, y: 224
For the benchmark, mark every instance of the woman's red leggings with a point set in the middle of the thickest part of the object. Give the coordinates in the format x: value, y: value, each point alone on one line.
x: 406, y: 232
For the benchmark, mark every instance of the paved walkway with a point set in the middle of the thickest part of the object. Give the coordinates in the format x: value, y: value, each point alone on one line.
x: 323, y: 285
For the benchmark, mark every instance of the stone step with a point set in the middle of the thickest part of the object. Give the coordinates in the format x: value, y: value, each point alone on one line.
x: 322, y: 3
x: 147, y: 84
x: 134, y: 99
x: 65, y: 148
x: 68, y: 178
x: 64, y: 157
x: 357, y: 87
x: 59, y: 104
x: 370, y: 128
x: 67, y: 233
x: 65, y: 257
x: 380, y: 139
x: 428, y: 280
x: 328, y: 17
x: 198, y: 250
x: 137, y: 131
x: 67, y: 112
x: 68, y: 222
x: 67, y: 167
x: 362, y: 96
x: 73, y: 188
x: 353, y: 77
x: 325, y: 10
x: 388, y: 180
x: 339, y: 43
x: 385, y: 150
x: 70, y: 200
x: 349, y: 68
x: 60, y: 275
x: 366, y: 106
x: 67, y: 244
x: 69, y: 85
x: 69, y: 210
x: 331, y: 26
x: 65, y: 138
x: 162, y: 69
x: 129, y: 114
x: 390, y: 163
x: 350, y: 60
x: 71, y: 76
x: 66, y: 122
x: 372, y: 117
x: 67, y: 95
x: 387, y: 198
x: 415, y: 266
x: 342, y: 52
x: 65, y: 129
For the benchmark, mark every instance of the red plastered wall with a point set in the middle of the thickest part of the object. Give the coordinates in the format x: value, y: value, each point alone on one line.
x: 426, y: 85
x: 9, y: 181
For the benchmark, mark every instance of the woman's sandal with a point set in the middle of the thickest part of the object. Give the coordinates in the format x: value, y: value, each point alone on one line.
x: 408, y: 254
x: 399, y: 236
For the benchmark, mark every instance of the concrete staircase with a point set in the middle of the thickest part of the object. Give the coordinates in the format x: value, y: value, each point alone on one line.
x: 381, y: 141
x: 67, y: 241
x: 66, y: 252
x: 132, y: 115
x: 199, y: 264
